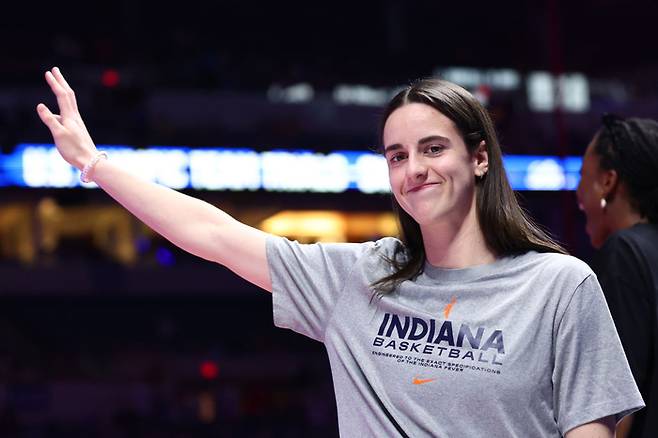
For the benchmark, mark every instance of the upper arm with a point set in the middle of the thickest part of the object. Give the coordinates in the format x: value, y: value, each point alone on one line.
x: 601, y: 428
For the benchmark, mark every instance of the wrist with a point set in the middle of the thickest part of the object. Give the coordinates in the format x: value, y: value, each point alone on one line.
x: 88, y: 169
x: 81, y: 161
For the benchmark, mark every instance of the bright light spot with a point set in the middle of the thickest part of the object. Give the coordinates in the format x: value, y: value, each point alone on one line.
x: 164, y: 166
x: 569, y: 91
x: 472, y: 78
x: 209, y: 370
x: 317, y: 225
x: 171, y: 168
x: 360, y: 95
x: 330, y: 226
x: 110, y: 78
x: 464, y: 76
x: 298, y: 172
x: 372, y: 174
x: 35, y: 166
x: 575, y: 92
x: 545, y: 175
x: 45, y: 167
x: 541, y: 91
x: 504, y: 79
x: 225, y: 170
x: 164, y: 256
x: 297, y: 93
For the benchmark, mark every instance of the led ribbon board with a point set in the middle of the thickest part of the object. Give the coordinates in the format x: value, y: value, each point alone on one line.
x: 240, y: 169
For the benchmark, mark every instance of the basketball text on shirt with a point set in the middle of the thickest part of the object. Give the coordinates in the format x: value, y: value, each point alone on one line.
x: 418, y: 335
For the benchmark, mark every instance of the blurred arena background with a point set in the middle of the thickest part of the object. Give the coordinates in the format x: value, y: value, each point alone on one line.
x: 108, y: 330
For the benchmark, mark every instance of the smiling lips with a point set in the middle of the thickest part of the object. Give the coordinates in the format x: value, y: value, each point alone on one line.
x: 421, y: 187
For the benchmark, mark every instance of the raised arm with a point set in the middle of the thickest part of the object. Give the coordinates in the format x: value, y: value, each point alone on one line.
x: 189, y: 223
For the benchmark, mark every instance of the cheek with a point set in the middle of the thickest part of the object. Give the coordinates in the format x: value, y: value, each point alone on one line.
x: 590, y: 205
x: 458, y: 167
x: 585, y: 189
x: 395, y: 179
x: 461, y: 175
x: 580, y: 195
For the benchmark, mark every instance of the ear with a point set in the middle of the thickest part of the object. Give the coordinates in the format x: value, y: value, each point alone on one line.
x: 481, y: 160
x: 608, y: 180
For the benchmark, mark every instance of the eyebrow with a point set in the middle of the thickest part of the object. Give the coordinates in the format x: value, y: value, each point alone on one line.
x: 428, y: 139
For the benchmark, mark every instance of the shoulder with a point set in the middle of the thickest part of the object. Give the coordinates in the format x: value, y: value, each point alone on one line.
x: 570, y: 282
x: 379, y: 257
x: 629, y: 248
x: 560, y: 272
x: 631, y: 240
x: 387, y: 247
x: 629, y: 256
x: 618, y: 248
x: 552, y: 263
x: 622, y: 240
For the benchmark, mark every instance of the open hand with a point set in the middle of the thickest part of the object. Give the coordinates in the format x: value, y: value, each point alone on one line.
x: 69, y: 132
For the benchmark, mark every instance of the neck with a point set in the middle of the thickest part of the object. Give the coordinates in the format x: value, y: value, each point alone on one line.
x: 622, y: 215
x: 457, y: 242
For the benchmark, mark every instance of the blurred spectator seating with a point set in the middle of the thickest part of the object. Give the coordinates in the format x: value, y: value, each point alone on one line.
x: 110, y: 228
x: 16, y: 232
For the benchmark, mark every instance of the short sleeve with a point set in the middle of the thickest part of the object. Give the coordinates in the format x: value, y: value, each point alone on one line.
x: 591, y: 376
x: 307, y: 280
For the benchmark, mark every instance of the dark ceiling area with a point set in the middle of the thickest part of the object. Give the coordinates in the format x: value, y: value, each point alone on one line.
x: 248, y: 45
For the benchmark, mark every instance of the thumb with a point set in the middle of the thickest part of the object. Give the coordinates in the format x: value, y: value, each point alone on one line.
x: 48, y: 118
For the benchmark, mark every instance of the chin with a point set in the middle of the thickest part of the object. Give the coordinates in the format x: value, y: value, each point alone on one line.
x: 597, y: 239
x: 428, y: 219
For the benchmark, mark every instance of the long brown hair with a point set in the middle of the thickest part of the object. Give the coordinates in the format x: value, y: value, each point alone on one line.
x: 507, y: 229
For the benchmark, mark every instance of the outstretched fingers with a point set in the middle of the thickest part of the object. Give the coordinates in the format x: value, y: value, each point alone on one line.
x: 60, y: 78
x: 63, y: 92
x: 52, y: 121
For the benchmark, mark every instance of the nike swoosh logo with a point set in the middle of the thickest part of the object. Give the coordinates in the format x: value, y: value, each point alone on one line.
x: 448, y: 307
x: 418, y: 381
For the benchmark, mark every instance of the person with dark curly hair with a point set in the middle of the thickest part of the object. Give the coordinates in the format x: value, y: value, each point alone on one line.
x: 618, y: 192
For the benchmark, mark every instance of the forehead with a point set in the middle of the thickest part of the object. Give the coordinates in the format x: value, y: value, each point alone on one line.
x: 414, y: 121
x: 591, y: 158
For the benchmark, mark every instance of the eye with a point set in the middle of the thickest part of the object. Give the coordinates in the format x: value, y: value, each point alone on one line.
x: 396, y: 158
x: 435, y: 148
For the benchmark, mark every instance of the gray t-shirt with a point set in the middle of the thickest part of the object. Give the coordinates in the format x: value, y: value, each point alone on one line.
x: 522, y: 347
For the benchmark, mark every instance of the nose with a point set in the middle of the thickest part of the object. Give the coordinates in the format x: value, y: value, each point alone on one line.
x: 416, y: 169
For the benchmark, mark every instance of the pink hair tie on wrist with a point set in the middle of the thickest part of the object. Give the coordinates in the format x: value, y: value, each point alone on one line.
x: 84, y: 175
